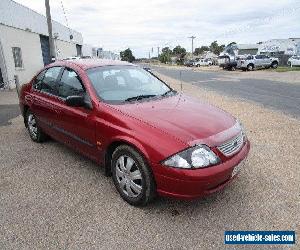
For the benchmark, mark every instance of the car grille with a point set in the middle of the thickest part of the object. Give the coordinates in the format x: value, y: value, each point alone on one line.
x: 232, y: 146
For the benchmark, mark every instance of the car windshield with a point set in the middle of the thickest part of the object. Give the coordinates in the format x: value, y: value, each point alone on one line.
x: 117, y: 84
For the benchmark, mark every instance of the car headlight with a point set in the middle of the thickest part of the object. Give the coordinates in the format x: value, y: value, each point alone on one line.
x: 195, y: 157
x: 242, y: 129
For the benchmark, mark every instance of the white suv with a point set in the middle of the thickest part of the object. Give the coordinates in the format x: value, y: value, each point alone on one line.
x: 258, y: 61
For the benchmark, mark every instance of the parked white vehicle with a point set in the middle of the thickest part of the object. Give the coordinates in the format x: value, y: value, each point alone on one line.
x: 258, y: 61
x: 203, y: 62
x: 294, y: 61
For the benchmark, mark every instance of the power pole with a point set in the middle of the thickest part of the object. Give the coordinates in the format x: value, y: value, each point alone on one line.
x: 157, y: 52
x: 49, y: 23
x: 192, y: 37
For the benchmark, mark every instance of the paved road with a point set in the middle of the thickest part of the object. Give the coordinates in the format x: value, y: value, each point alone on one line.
x: 272, y: 94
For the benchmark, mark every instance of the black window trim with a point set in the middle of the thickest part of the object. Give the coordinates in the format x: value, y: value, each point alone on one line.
x: 86, y: 95
x: 45, y: 70
x: 62, y: 72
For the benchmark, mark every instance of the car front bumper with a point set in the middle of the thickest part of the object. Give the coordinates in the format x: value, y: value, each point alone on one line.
x: 195, y: 183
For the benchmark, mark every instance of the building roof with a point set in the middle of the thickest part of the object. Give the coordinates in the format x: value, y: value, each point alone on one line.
x: 92, y: 63
x: 18, y: 16
x: 247, y: 46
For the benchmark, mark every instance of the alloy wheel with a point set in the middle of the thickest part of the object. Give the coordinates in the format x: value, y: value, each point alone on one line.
x: 32, y: 126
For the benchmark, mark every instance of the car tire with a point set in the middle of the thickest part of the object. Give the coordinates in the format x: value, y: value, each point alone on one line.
x: 132, y: 176
x: 274, y: 65
x: 35, y: 132
x: 233, y: 68
x: 250, y: 67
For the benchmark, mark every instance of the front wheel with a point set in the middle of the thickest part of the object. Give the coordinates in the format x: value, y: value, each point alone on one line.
x: 35, y: 132
x: 132, y: 176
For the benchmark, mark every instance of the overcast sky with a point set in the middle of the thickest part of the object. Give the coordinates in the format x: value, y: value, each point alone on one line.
x: 143, y: 24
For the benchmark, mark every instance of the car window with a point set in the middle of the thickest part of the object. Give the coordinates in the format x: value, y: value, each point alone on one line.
x: 70, y: 84
x: 49, y: 83
x: 118, y: 83
x: 37, y: 84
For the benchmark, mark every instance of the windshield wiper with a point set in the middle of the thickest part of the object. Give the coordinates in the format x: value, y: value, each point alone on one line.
x: 168, y: 92
x: 138, y: 97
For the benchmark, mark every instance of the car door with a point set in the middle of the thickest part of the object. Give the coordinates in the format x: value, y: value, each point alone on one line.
x: 44, y: 97
x: 258, y: 61
x: 266, y: 60
x: 76, y: 124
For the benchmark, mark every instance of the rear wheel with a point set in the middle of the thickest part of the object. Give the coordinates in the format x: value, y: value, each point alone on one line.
x: 250, y: 67
x: 35, y: 132
x: 132, y: 176
x: 274, y: 65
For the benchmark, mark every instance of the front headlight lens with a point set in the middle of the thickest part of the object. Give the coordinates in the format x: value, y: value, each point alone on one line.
x: 196, y: 157
x: 242, y: 130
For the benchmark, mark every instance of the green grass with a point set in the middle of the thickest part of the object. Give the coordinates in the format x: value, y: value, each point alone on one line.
x: 286, y: 68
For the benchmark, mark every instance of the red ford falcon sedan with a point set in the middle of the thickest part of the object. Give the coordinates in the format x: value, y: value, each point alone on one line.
x: 150, y: 139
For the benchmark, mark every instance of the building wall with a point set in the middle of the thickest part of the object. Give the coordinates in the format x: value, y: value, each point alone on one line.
x: 65, y: 49
x: 287, y: 46
x: 16, y: 15
x: 21, y: 27
x: 31, y: 53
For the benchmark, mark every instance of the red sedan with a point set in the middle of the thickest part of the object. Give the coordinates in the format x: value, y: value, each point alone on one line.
x: 150, y: 139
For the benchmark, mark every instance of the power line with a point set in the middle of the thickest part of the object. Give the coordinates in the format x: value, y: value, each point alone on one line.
x: 66, y: 19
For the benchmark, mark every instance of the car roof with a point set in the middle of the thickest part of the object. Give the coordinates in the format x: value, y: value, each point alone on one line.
x: 91, y: 63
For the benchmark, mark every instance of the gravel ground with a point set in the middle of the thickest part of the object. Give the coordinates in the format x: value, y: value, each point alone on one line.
x: 51, y: 197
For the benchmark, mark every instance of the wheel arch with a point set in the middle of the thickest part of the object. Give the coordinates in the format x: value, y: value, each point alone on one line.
x: 250, y: 64
x: 25, y: 109
x: 123, y: 141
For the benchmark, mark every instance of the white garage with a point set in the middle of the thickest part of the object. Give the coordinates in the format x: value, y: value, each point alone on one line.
x: 24, y: 44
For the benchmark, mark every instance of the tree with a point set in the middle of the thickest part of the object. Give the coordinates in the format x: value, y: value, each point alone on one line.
x: 215, y: 48
x: 180, y: 52
x: 165, y: 55
x: 199, y: 51
x: 126, y: 55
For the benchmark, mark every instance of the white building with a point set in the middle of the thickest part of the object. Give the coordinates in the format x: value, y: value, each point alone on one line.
x: 24, y: 44
x: 289, y: 46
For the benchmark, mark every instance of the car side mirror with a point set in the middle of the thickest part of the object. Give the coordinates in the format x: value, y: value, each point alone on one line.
x: 75, y: 101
